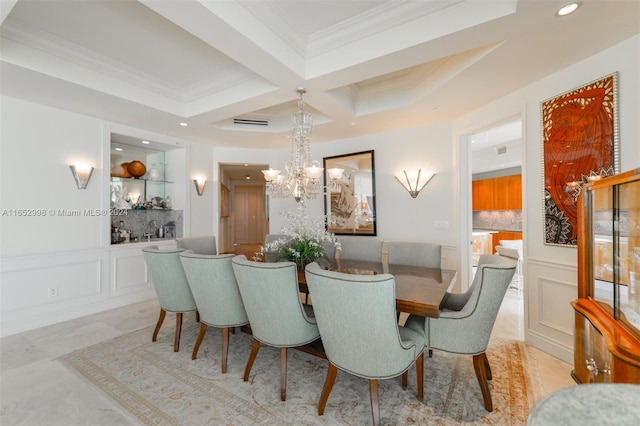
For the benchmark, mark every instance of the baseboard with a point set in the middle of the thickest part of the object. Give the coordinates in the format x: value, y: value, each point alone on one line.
x: 551, y: 347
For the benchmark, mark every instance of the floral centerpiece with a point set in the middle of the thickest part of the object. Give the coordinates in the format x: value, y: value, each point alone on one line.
x: 305, y: 241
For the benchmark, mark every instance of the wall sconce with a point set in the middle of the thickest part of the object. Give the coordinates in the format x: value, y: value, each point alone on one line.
x: 200, y: 183
x: 415, y: 184
x: 81, y: 173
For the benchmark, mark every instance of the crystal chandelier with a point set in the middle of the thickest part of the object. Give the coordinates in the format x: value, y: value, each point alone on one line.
x: 303, y: 174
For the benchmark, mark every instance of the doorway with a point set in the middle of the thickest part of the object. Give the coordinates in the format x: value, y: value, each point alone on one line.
x: 495, y: 163
x: 248, y: 215
x: 243, y: 218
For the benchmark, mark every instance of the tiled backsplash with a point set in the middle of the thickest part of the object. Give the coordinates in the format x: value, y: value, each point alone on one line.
x: 498, y: 220
x: 137, y: 221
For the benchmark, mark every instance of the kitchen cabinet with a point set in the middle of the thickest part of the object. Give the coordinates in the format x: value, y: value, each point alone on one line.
x: 514, y: 192
x: 607, y: 309
x: 500, y: 193
x: 482, y: 198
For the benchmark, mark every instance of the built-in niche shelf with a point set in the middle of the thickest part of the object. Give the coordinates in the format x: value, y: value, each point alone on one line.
x: 131, y: 192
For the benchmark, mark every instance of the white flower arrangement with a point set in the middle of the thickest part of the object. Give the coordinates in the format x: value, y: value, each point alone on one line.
x: 305, y: 242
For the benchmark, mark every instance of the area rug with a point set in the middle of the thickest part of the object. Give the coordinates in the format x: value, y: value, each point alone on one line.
x: 160, y: 387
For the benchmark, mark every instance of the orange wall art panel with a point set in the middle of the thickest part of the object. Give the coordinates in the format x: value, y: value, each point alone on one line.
x: 580, y: 144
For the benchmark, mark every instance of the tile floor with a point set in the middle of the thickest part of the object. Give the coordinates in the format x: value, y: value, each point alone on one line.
x: 37, y: 389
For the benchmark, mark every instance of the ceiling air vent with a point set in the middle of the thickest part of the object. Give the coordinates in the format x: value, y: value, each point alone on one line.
x: 250, y: 122
x: 501, y: 150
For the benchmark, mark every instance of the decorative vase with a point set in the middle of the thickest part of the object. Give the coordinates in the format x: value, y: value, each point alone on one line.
x: 136, y: 169
x: 302, y: 263
x: 154, y: 174
x: 122, y: 173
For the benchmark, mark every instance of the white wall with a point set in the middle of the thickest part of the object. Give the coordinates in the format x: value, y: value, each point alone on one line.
x: 38, y: 144
x: 399, y: 217
x: 550, y: 271
x: 50, y: 251
x: 202, y: 210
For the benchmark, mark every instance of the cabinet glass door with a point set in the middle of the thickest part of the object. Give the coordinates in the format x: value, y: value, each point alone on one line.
x: 603, y: 258
x: 627, y: 196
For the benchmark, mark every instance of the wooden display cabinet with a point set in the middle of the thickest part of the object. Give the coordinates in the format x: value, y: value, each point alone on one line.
x: 607, y: 310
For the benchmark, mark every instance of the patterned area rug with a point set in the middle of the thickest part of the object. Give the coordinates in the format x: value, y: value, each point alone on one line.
x: 160, y: 387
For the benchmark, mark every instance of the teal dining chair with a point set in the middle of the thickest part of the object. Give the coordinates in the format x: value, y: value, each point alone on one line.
x: 276, y: 315
x: 170, y: 284
x: 426, y: 255
x: 467, y: 331
x: 356, y: 315
x: 215, y: 290
x: 359, y: 248
x: 457, y: 301
x: 200, y: 245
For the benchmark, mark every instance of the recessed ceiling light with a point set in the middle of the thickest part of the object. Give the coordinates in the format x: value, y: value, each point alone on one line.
x: 183, y: 124
x: 146, y: 142
x: 247, y: 177
x: 118, y: 149
x: 567, y: 9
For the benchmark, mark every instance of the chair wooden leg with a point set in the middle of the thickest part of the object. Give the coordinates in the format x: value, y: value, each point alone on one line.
x: 163, y: 313
x: 176, y: 341
x: 420, y: 375
x: 225, y: 348
x: 375, y: 401
x: 283, y: 374
x: 481, y: 374
x: 487, y: 366
x: 405, y: 379
x: 332, y: 372
x: 197, y: 316
x: 254, y: 352
x: 203, y: 331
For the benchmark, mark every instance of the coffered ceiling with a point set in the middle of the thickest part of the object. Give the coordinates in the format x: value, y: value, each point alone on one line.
x: 367, y: 66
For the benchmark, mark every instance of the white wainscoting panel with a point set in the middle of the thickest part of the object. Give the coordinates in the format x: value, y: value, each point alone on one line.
x: 128, y: 272
x: 550, y: 289
x: 46, y: 289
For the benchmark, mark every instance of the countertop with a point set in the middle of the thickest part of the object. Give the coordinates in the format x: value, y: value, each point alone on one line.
x: 483, y: 232
x: 144, y: 241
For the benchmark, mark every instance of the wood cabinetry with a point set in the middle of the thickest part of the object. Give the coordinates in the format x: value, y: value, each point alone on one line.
x: 500, y: 193
x: 607, y: 310
x: 482, y: 194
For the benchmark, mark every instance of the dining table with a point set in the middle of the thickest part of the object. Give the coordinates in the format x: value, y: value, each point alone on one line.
x: 419, y: 290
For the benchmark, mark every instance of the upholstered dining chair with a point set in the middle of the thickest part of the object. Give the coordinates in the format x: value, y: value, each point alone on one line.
x: 172, y: 289
x: 358, y: 248
x: 513, y: 249
x: 200, y: 245
x: 468, y: 330
x: 356, y: 315
x: 457, y: 301
x: 215, y: 290
x: 426, y: 255
x: 277, y: 316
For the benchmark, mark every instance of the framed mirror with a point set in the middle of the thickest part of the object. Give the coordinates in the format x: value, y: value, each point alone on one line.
x: 350, y: 200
